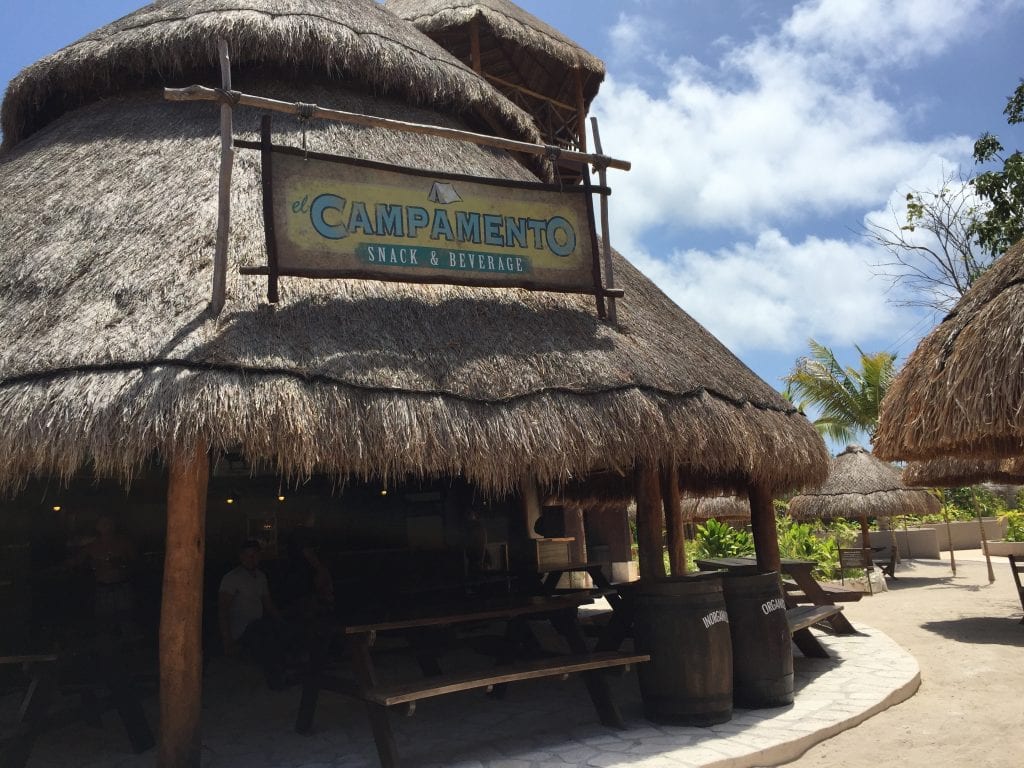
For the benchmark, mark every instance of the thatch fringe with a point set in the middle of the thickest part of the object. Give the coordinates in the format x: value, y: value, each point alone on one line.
x: 174, y: 43
x: 961, y: 392
x: 953, y: 472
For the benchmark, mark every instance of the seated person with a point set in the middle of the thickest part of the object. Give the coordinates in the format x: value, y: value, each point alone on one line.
x: 248, y: 617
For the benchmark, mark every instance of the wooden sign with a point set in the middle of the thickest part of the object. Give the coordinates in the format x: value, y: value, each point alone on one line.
x: 335, y: 217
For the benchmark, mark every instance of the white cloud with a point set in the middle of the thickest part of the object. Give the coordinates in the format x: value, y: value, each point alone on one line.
x: 879, y: 33
x: 771, y: 295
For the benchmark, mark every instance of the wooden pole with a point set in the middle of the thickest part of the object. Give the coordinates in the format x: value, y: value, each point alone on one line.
x: 474, y: 44
x: 949, y: 534
x: 202, y: 93
x: 609, y: 274
x: 581, y: 112
x: 227, y: 159
x: 673, y: 521
x: 762, y: 524
x: 650, y: 523
x: 181, y: 613
x: 981, y: 527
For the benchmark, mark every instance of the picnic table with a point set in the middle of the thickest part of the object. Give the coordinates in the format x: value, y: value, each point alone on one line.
x: 521, y: 658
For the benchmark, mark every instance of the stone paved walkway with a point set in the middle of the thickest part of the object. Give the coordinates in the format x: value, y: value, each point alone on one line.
x: 537, y: 725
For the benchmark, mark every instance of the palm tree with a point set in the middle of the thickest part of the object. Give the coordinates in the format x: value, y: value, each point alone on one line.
x: 848, y: 398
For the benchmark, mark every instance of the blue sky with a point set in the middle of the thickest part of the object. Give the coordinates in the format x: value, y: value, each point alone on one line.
x: 762, y: 134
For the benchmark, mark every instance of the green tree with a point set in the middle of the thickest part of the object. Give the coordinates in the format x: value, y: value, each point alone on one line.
x: 847, y: 398
x: 1002, y: 223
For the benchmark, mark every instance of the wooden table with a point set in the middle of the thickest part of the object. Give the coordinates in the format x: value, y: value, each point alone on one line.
x: 520, y: 661
x: 803, y: 590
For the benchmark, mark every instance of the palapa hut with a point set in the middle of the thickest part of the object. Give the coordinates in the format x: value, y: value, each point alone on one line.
x: 860, y: 486
x: 529, y: 61
x: 113, y: 359
x: 961, y: 391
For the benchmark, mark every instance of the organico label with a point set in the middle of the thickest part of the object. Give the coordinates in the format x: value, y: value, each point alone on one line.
x: 715, y: 617
x: 337, y: 218
x: 775, y: 604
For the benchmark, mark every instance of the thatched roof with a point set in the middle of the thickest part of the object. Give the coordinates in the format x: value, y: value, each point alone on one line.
x: 859, y: 485
x: 111, y: 356
x: 961, y: 392
x: 702, y: 508
x: 175, y: 43
x: 515, y: 45
x: 953, y: 472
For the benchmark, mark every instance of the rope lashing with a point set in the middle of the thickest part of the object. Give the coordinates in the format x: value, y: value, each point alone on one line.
x: 233, y: 98
x: 553, y: 153
x: 305, y: 115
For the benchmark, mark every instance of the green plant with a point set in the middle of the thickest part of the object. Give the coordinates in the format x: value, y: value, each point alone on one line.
x: 798, y: 541
x: 988, y: 504
x: 1014, y: 525
x: 715, y: 539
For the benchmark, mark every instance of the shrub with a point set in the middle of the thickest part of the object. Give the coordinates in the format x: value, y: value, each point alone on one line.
x: 715, y: 539
x: 1014, y: 525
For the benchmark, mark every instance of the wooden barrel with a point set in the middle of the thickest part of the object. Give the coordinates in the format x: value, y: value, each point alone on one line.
x: 682, y: 622
x: 762, y: 654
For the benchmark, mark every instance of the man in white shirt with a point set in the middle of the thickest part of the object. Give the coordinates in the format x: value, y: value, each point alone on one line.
x: 248, y: 617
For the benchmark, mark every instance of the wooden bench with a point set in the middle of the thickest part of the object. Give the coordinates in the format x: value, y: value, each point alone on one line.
x: 801, y: 619
x: 834, y: 592
x: 561, y: 666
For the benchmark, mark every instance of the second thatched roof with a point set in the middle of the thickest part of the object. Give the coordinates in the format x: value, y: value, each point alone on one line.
x: 516, y: 46
x: 961, y: 392
x: 859, y: 485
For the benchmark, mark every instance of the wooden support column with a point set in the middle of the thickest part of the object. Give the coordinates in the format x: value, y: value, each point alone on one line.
x: 762, y: 523
x: 529, y: 501
x: 650, y: 523
x: 573, y: 525
x: 673, y: 521
x: 181, y: 614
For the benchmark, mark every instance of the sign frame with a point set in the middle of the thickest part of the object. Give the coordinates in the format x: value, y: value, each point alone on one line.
x: 274, y: 270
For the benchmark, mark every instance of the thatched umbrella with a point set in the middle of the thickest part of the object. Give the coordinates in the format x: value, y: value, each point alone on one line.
x: 860, y: 486
x: 108, y: 200
x: 531, y: 62
x: 961, y: 391
x: 718, y: 507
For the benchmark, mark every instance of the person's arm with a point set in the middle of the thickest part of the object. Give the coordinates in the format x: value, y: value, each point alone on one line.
x: 224, y: 600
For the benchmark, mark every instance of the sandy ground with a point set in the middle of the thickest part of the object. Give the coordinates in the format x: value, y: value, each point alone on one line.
x: 967, y: 637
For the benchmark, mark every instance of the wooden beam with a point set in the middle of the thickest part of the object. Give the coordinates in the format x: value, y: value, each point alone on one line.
x: 202, y: 93
x: 762, y: 524
x: 673, y: 521
x: 650, y: 523
x: 181, y: 614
